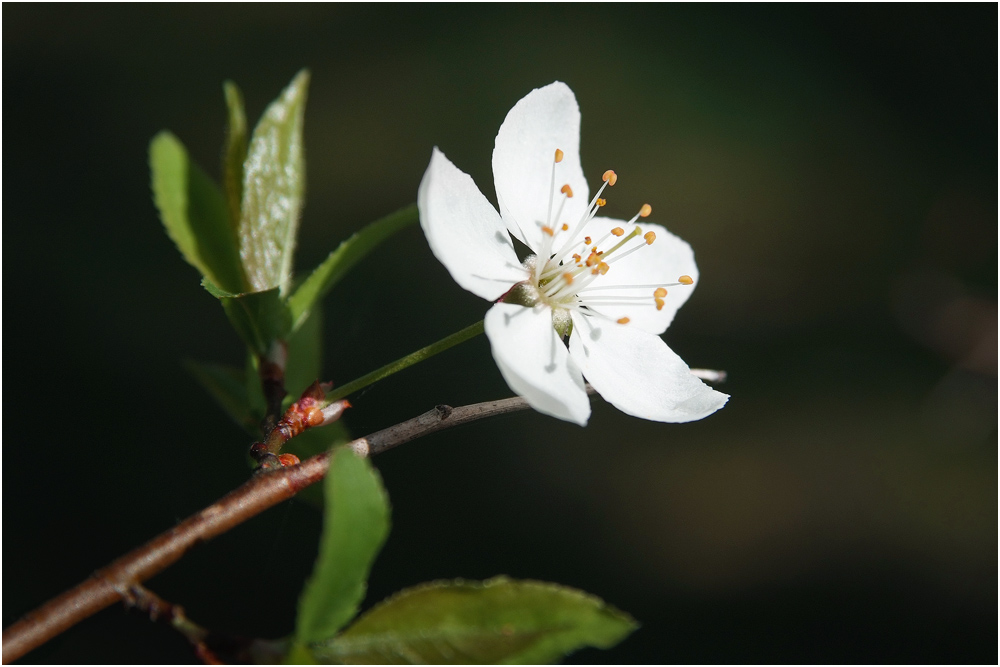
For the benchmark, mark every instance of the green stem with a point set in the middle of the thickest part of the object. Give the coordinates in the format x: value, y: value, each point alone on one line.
x: 407, y: 361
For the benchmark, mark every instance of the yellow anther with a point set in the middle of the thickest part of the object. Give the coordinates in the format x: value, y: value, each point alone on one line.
x: 617, y: 231
x: 566, y: 190
x: 586, y: 240
x: 660, y: 292
x: 577, y: 258
x: 650, y: 237
x: 660, y: 303
x: 603, y: 267
x: 623, y: 320
x: 564, y: 227
x: 645, y: 211
x: 593, y: 259
x: 559, y: 155
x: 548, y: 230
x: 686, y: 280
x: 601, y: 202
x: 568, y: 277
x: 610, y: 177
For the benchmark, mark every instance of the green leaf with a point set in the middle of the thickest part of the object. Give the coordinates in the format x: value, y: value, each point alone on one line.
x: 312, y: 442
x: 341, y: 260
x: 236, y: 152
x: 305, y: 354
x: 355, y: 525
x: 260, y: 318
x: 274, y: 176
x: 255, y: 392
x: 461, y: 622
x: 228, y: 387
x: 193, y: 212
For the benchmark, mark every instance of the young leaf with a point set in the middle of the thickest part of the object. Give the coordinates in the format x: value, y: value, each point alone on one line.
x: 193, y: 212
x: 236, y: 152
x: 274, y: 176
x: 260, y: 318
x: 355, y: 525
x: 228, y: 387
x: 305, y: 354
x: 341, y: 260
x: 461, y: 622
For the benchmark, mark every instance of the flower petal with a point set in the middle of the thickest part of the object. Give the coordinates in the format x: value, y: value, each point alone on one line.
x: 535, y: 363
x: 637, y: 373
x: 546, y: 119
x: 465, y: 232
x: 660, y: 263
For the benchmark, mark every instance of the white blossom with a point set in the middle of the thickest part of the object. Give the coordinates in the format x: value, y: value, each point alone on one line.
x: 592, y: 300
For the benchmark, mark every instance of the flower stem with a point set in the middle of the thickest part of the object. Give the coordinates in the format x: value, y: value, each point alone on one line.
x: 407, y: 361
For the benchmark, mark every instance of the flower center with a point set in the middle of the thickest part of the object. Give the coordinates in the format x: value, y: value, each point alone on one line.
x: 569, y: 269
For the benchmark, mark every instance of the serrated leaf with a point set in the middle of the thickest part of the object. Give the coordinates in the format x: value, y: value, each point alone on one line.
x: 355, y: 525
x: 193, y: 212
x: 228, y: 387
x: 260, y: 318
x: 305, y: 354
x: 274, y: 176
x: 343, y: 259
x: 235, y: 153
x: 462, y: 622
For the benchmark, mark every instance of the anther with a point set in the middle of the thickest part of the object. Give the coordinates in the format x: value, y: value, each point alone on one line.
x: 623, y: 320
x: 650, y: 237
x: 566, y: 190
x: 601, y: 202
x: 548, y: 230
x: 618, y: 231
x: 568, y: 277
x: 686, y: 280
x: 559, y: 155
x: 645, y: 211
x: 586, y: 240
x: 660, y: 292
x: 602, y: 268
x: 660, y: 303
x: 564, y: 227
x: 610, y: 177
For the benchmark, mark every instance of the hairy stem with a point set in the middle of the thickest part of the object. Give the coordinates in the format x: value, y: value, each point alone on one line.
x: 114, y: 582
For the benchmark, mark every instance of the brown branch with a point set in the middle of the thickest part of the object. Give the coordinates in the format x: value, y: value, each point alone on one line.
x: 114, y: 582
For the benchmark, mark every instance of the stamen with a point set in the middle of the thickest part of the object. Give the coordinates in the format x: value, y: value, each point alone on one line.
x: 659, y: 303
x: 650, y: 237
x: 564, y: 227
x: 568, y: 277
x: 548, y: 230
x: 645, y: 211
x: 601, y: 202
x: 686, y: 280
x: 586, y: 240
x: 618, y: 231
x: 610, y: 177
x: 566, y: 190
x: 660, y: 292
x: 623, y: 320
x: 559, y: 155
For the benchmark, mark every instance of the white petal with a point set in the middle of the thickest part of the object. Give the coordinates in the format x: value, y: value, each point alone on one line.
x: 535, y: 363
x: 544, y: 120
x: 465, y: 232
x: 661, y: 263
x: 637, y: 373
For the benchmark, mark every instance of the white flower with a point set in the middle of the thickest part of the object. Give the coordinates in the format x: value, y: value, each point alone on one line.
x: 608, y: 285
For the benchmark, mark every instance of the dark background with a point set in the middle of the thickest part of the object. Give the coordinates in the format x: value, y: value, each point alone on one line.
x: 835, y: 169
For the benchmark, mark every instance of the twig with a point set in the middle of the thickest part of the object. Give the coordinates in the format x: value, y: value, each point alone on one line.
x: 112, y: 583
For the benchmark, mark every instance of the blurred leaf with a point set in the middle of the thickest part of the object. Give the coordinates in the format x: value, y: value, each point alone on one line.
x: 236, y: 152
x: 341, y: 260
x: 355, y: 525
x: 260, y: 318
x: 228, y: 387
x: 305, y: 354
x: 496, y: 621
x: 312, y: 442
x: 193, y: 212
x: 255, y: 392
x: 274, y: 176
